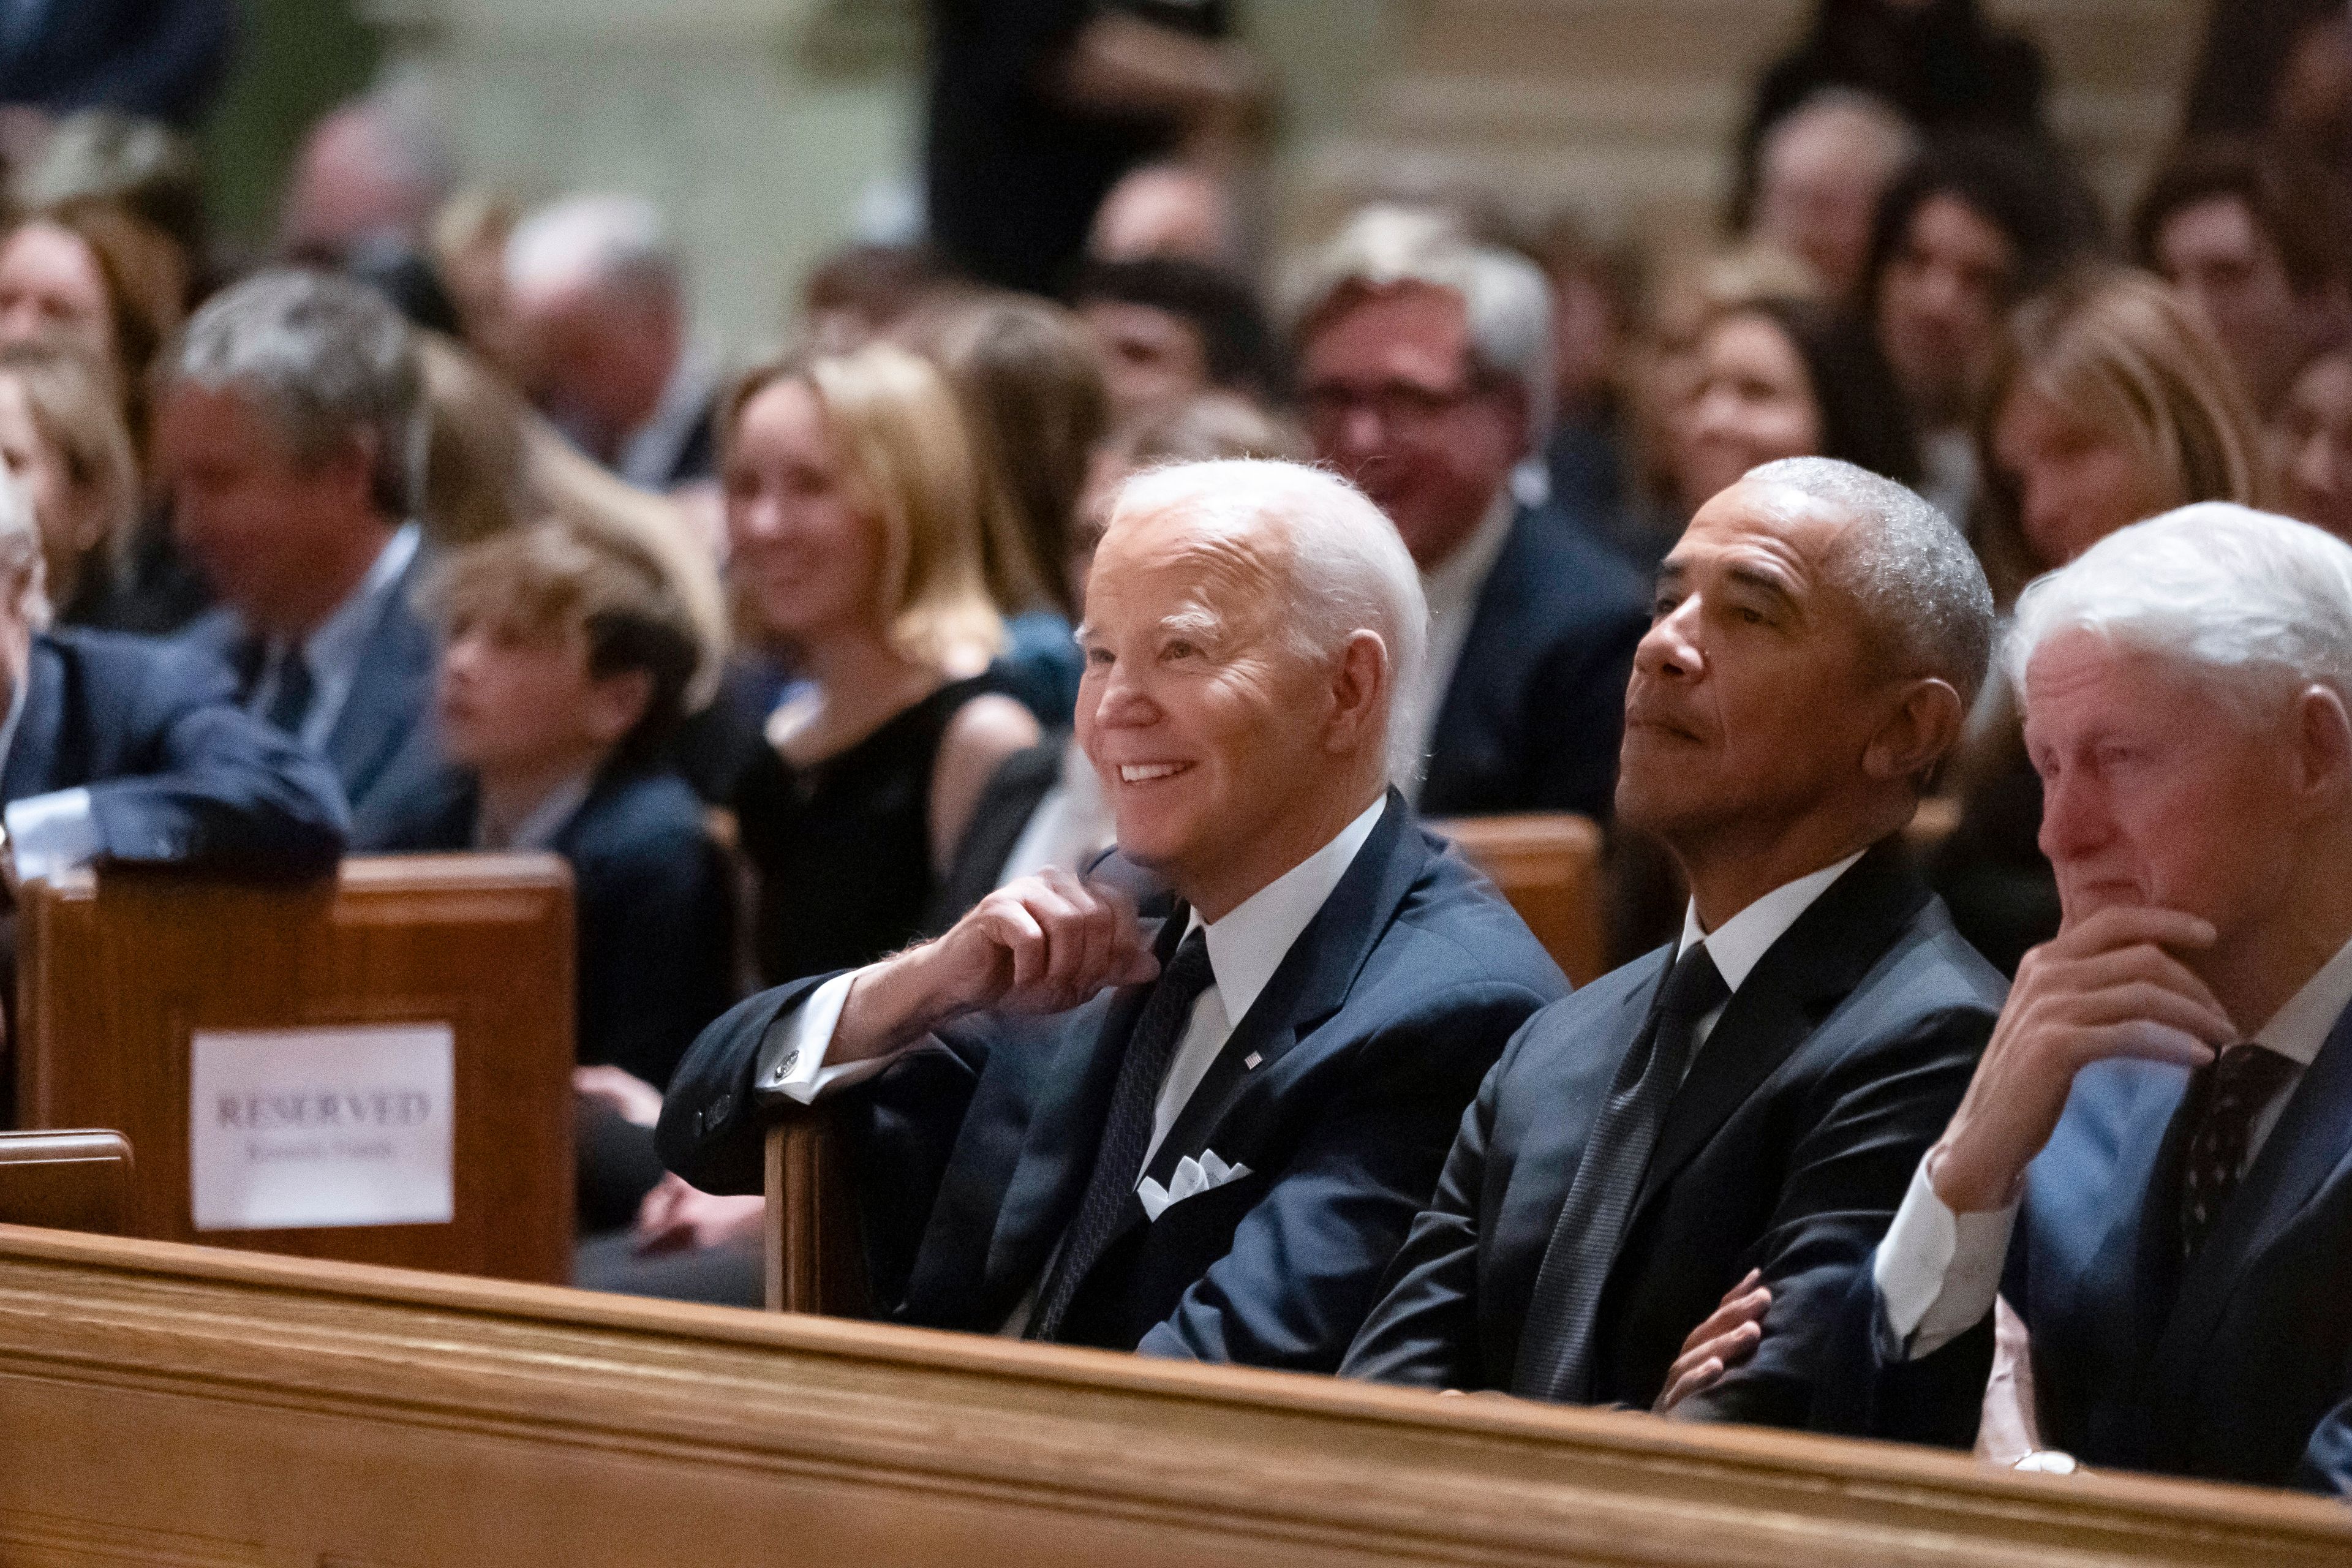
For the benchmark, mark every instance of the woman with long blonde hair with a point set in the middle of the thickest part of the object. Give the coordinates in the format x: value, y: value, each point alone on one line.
x: 853, y: 513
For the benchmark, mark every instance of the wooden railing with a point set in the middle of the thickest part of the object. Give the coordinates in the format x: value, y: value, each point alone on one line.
x: 161, y: 1404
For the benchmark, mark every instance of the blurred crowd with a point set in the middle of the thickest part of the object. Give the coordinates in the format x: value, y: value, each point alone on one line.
x: 780, y: 652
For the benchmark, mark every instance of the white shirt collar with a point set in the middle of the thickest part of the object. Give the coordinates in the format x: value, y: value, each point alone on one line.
x: 2298, y: 1030
x: 541, y: 823
x: 1249, y: 945
x: 1741, y: 941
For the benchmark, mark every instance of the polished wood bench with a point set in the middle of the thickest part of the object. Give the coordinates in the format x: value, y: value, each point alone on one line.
x: 1549, y: 865
x: 171, y: 1404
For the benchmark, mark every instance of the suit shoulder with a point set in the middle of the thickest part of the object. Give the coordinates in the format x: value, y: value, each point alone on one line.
x: 138, y: 669
x: 1935, y: 966
x: 647, y: 816
x: 1455, y: 927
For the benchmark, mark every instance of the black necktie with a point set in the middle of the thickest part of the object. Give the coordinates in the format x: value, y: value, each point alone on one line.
x: 1556, y: 1344
x: 1119, y: 1159
x: 291, y: 703
x: 2238, y: 1085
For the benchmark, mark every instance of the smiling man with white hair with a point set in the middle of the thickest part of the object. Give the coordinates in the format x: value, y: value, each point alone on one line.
x: 2153, y: 1165
x: 1205, y: 1140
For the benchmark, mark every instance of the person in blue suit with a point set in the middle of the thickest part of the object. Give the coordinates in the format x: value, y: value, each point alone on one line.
x: 1748, y: 1102
x: 2153, y: 1165
x: 288, y: 427
x: 1204, y: 1141
x: 1425, y: 375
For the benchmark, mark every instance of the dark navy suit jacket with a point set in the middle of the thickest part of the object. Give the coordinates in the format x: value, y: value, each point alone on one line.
x: 1787, y: 1150
x: 383, y: 747
x: 1532, y: 717
x: 2235, y: 1366
x: 654, y: 911
x: 161, y: 59
x: 1367, y: 1041
x: 177, y: 774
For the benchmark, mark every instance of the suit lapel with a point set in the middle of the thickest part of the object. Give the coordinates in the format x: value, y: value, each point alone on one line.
x: 1065, y: 1128
x: 385, y: 702
x: 2310, y: 1143
x: 1309, y: 985
x: 1486, y: 646
x: 1801, y: 978
x: 35, y: 753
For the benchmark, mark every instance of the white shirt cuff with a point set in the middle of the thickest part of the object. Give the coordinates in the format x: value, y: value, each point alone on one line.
x: 52, y: 833
x: 791, y: 1057
x: 1938, y: 1272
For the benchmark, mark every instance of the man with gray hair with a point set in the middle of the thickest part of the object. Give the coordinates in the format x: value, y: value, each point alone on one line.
x: 1207, y: 1140
x: 1425, y: 376
x: 596, y: 300
x: 2153, y: 1167
x: 287, y: 426
x: 1736, y: 1112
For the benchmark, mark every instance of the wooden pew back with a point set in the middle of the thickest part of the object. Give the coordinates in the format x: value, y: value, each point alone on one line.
x: 76, y: 1180
x: 172, y: 1404
x: 1548, y: 867
x: 118, y: 972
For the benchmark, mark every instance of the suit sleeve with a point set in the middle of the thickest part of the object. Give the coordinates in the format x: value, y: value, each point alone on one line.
x: 1847, y: 1172
x: 712, y: 1132
x: 2326, y: 1465
x: 1307, y: 1261
x: 215, y: 789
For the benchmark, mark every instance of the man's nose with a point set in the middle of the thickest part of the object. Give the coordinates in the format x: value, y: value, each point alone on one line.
x: 1670, y: 648
x: 1119, y: 700
x: 2075, y: 822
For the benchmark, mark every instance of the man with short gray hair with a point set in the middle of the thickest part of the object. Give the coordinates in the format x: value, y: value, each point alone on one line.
x: 596, y: 296
x: 1425, y: 376
x: 288, y: 427
x: 1738, y: 1113
x: 2153, y: 1167
x: 1205, y: 1141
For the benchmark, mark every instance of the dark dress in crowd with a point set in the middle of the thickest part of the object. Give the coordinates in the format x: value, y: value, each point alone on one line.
x: 1940, y: 64
x: 1533, y: 715
x: 1012, y: 797
x: 843, y: 847
x: 1013, y: 175
x: 1786, y: 1148
x: 384, y: 747
x: 158, y: 59
x: 1333, y: 1100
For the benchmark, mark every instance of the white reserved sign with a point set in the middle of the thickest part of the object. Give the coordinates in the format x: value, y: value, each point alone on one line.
x: 292, y: 1127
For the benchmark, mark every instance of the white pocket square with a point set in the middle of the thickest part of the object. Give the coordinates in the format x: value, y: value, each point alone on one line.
x: 1190, y: 1179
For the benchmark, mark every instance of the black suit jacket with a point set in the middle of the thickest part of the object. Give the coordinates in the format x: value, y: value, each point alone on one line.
x: 177, y: 774
x: 1338, y: 1090
x: 1532, y: 717
x: 1791, y: 1143
x: 2234, y: 1366
x: 654, y: 911
x: 383, y: 747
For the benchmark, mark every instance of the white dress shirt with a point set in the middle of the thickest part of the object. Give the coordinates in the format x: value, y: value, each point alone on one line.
x: 1740, y: 944
x: 1452, y: 588
x: 334, y: 651
x: 1938, y: 1272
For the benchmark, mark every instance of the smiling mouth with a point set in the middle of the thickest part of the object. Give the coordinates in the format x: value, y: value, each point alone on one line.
x: 1145, y: 773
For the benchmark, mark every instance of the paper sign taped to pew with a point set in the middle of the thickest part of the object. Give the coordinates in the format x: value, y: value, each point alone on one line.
x: 293, y: 1128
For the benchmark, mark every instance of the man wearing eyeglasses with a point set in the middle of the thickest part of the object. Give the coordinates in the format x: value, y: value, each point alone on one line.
x: 1425, y: 377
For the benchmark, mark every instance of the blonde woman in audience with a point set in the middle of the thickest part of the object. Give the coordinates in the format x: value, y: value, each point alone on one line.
x: 853, y: 510
x: 2111, y: 402
x: 61, y: 433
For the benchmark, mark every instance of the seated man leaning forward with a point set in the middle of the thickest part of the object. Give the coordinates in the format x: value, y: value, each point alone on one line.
x: 2154, y: 1165
x: 1746, y: 1104
x: 1207, y: 1142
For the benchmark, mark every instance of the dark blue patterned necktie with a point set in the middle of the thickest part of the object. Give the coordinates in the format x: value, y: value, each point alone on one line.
x: 1119, y: 1159
x: 291, y: 703
x: 1555, y: 1359
x: 2240, y: 1083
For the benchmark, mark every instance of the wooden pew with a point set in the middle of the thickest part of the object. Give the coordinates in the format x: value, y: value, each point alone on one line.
x: 160, y: 1404
x: 123, y: 978
x: 77, y: 1179
x: 1549, y: 866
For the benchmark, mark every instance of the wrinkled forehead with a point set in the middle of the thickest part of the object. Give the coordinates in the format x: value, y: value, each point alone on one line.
x: 1754, y: 525
x: 1232, y: 560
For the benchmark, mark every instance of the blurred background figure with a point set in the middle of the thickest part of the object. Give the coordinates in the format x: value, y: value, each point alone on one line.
x: 1971, y: 225
x: 1036, y: 111
x: 1790, y: 378
x: 1168, y: 329
x: 62, y: 436
x: 2280, y: 69
x: 2257, y: 244
x: 1595, y: 302
x: 863, y: 292
x: 595, y: 304
x: 1820, y: 173
x: 1182, y: 210
x: 2109, y: 402
x: 2311, y: 445
x: 161, y: 59
x: 373, y: 171
x: 854, y: 506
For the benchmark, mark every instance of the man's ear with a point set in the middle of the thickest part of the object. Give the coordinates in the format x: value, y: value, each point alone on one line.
x: 617, y: 704
x: 2323, y: 748
x: 1917, y: 734
x: 1360, y: 691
